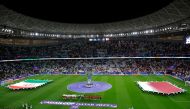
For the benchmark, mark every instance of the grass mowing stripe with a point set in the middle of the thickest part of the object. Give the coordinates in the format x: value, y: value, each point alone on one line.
x: 126, y: 87
x: 13, y: 95
x: 109, y: 95
x: 51, y: 93
x: 23, y: 96
x: 178, y: 83
x: 57, y: 95
x: 8, y: 91
x: 184, y: 97
x: 123, y: 95
x: 148, y: 101
x: 29, y: 94
x: 135, y: 98
x: 152, y: 99
x: 164, y: 99
x: 161, y: 102
x: 124, y: 92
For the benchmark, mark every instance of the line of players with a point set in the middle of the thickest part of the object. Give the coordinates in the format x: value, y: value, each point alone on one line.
x: 85, y: 97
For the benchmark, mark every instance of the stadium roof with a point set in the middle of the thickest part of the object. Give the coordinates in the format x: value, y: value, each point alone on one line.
x: 175, y: 11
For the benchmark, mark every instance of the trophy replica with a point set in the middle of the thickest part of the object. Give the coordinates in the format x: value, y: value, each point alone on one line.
x: 89, y: 78
x: 89, y: 85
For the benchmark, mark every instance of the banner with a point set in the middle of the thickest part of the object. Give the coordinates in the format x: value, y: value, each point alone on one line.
x: 28, y: 84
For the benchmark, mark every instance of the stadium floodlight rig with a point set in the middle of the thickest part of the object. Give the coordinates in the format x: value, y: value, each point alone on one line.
x: 179, y: 26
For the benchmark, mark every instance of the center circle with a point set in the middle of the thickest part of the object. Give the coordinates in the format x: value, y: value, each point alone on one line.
x: 80, y: 87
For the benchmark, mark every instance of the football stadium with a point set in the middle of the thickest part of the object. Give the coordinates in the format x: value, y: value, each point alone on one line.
x: 123, y: 59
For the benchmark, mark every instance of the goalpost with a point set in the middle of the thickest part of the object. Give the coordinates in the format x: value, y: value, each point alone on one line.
x: 187, y: 83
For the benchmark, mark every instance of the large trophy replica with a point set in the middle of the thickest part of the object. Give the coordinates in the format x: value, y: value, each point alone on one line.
x: 89, y: 86
x: 89, y: 74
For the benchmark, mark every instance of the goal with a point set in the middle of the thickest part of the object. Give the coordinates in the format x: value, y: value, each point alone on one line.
x: 187, y: 83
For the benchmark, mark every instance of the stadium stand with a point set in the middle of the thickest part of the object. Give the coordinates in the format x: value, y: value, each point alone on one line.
x: 115, y: 48
x: 14, y: 70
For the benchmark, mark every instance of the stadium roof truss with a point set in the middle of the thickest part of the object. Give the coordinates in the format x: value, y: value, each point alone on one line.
x: 177, y: 11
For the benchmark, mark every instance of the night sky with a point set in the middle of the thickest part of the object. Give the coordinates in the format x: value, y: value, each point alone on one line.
x: 86, y: 12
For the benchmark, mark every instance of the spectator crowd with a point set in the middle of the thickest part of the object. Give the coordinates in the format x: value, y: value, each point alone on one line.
x: 75, y: 49
x: 112, y: 48
x: 176, y: 67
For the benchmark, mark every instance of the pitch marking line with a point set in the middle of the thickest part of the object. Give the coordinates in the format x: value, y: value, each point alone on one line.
x: 177, y: 100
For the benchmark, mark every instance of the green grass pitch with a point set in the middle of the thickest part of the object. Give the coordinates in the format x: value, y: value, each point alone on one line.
x: 124, y: 92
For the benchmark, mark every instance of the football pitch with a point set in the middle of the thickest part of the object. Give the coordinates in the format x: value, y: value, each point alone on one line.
x: 124, y: 92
